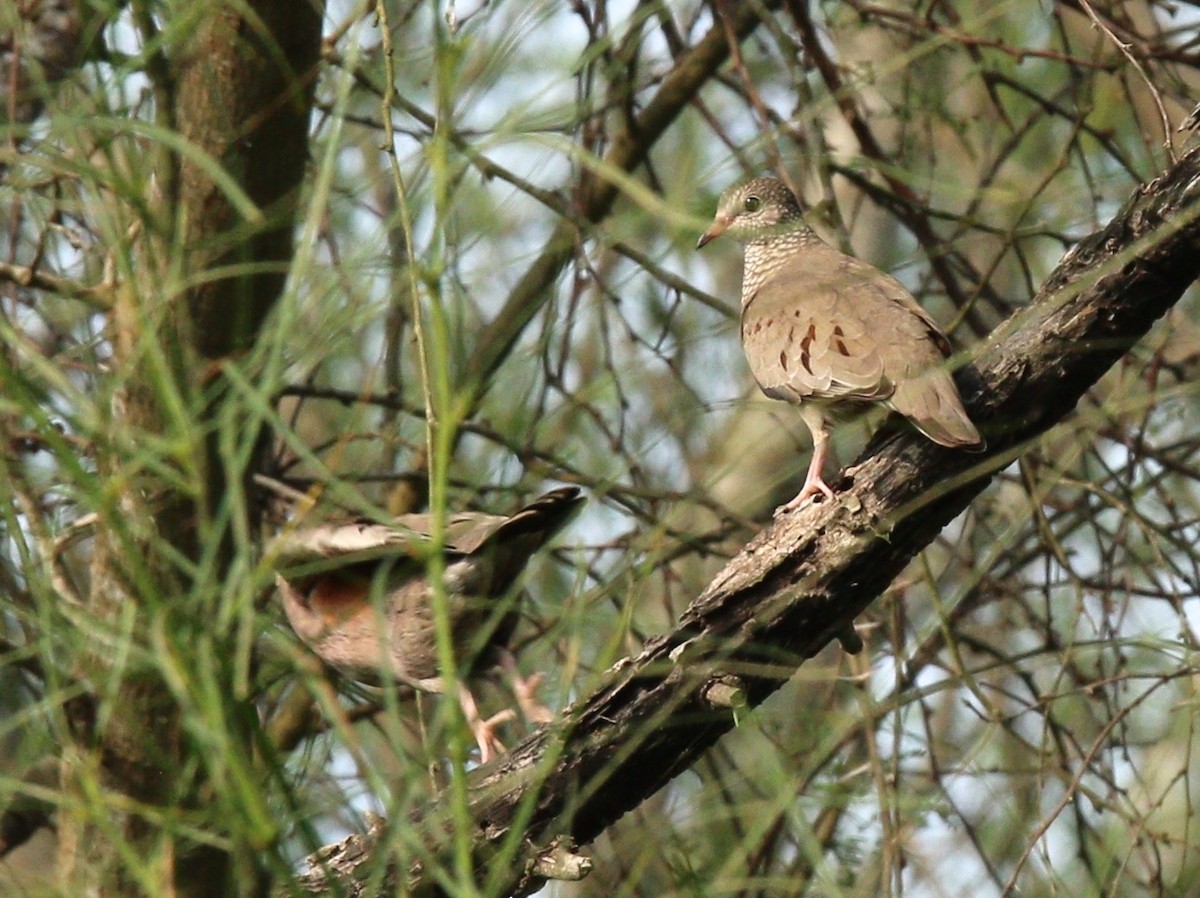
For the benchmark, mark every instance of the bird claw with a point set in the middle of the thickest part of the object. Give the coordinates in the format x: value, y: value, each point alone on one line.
x: 524, y: 690
x: 483, y: 729
x: 814, y: 487
x: 485, y: 734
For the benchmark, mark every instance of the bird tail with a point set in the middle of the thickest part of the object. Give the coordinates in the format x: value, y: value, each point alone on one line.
x: 523, y: 533
x: 545, y: 514
x: 931, y: 402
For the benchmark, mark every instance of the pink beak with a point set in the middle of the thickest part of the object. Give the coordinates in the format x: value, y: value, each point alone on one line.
x: 718, y: 228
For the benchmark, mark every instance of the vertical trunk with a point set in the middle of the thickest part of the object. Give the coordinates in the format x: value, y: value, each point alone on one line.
x: 238, y: 90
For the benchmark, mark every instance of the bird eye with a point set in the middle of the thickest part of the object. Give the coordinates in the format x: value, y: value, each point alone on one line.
x: 752, y: 203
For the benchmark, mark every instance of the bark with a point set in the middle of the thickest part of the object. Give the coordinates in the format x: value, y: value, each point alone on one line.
x: 806, y: 577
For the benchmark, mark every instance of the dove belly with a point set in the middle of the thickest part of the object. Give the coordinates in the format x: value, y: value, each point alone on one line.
x: 801, y: 358
x: 392, y: 638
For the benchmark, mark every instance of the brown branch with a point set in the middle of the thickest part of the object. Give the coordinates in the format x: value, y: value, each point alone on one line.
x: 922, y: 26
x: 243, y: 96
x: 807, y: 576
x: 98, y: 296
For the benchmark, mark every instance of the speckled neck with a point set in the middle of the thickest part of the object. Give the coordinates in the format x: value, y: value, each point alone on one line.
x: 767, y: 253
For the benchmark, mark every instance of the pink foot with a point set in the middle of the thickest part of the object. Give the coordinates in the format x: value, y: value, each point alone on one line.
x: 813, y: 486
x: 484, y: 730
x: 524, y: 690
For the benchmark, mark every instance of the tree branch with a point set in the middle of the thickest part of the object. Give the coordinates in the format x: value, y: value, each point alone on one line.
x: 807, y: 576
x: 98, y: 296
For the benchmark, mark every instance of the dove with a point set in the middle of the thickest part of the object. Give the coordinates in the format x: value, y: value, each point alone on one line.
x: 359, y: 595
x: 823, y: 330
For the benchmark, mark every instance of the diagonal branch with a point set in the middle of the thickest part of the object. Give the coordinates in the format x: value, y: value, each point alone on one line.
x: 806, y: 577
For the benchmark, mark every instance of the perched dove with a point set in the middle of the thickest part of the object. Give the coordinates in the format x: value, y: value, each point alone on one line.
x: 359, y: 595
x: 821, y: 328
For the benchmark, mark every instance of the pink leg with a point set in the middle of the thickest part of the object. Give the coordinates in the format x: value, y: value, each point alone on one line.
x: 814, y: 484
x: 484, y: 730
x: 525, y: 691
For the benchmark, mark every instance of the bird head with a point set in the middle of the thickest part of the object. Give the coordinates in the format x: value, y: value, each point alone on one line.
x: 758, y: 207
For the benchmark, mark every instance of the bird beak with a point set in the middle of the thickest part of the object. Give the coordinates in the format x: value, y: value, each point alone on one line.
x: 718, y: 228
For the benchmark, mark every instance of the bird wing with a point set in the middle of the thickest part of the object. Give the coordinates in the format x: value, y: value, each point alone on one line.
x: 827, y: 326
x: 470, y: 531
x: 336, y: 580
x: 306, y: 550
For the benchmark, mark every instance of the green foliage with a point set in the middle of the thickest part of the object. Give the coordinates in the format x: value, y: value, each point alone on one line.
x: 1021, y: 718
